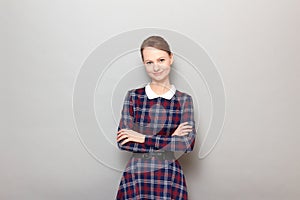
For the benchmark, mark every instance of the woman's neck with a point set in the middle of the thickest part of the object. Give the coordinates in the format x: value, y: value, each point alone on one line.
x: 160, y: 88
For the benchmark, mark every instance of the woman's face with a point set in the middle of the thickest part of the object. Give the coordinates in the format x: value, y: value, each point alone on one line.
x: 157, y: 63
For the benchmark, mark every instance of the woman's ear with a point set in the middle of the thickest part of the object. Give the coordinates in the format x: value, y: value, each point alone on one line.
x: 171, y: 59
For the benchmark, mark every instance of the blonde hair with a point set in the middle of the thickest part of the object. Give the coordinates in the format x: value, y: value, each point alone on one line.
x: 156, y: 42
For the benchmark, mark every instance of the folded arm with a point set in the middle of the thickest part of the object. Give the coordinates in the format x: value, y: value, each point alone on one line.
x: 182, y: 139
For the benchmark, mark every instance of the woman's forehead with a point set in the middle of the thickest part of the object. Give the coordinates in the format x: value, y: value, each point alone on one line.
x: 153, y: 52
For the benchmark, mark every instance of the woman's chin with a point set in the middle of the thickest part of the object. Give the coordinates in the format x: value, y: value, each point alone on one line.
x: 159, y: 78
x: 156, y: 79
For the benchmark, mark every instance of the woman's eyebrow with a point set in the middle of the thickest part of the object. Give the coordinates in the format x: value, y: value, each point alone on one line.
x: 162, y: 57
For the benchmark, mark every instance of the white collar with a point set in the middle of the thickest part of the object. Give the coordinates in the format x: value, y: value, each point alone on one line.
x: 151, y: 94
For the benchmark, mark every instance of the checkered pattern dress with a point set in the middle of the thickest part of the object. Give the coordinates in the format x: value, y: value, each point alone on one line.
x: 157, y: 118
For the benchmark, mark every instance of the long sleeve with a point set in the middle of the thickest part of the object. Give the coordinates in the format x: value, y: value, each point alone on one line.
x: 158, y: 142
x: 177, y: 143
x: 127, y: 122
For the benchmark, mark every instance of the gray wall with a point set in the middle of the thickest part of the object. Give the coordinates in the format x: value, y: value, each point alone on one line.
x: 254, y: 45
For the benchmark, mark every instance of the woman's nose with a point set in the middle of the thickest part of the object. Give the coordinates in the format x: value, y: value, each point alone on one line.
x: 155, y: 67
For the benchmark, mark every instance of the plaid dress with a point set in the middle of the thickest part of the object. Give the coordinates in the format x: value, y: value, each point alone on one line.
x: 157, y: 118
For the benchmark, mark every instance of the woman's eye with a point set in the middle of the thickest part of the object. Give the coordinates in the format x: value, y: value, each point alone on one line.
x: 162, y: 60
x: 148, y: 63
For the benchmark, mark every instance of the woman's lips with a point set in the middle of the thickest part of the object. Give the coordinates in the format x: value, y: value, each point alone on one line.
x: 157, y: 73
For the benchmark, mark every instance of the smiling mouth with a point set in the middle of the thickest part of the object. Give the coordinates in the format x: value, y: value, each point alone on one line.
x: 156, y: 74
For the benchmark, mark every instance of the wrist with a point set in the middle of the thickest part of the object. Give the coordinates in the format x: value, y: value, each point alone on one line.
x: 143, y: 139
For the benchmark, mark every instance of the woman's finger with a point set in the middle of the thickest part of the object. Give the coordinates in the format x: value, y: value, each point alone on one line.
x: 187, y: 130
x: 185, y: 133
x: 184, y: 123
x: 122, y: 136
x: 125, y: 141
x: 122, y: 130
x: 187, y: 127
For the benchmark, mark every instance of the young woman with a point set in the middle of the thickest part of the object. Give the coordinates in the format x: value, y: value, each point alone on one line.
x: 156, y: 121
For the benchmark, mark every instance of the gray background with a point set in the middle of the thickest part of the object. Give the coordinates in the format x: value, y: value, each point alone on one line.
x: 255, y: 45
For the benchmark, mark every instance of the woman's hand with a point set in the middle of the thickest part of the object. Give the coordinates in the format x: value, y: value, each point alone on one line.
x: 183, y: 129
x: 130, y: 136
